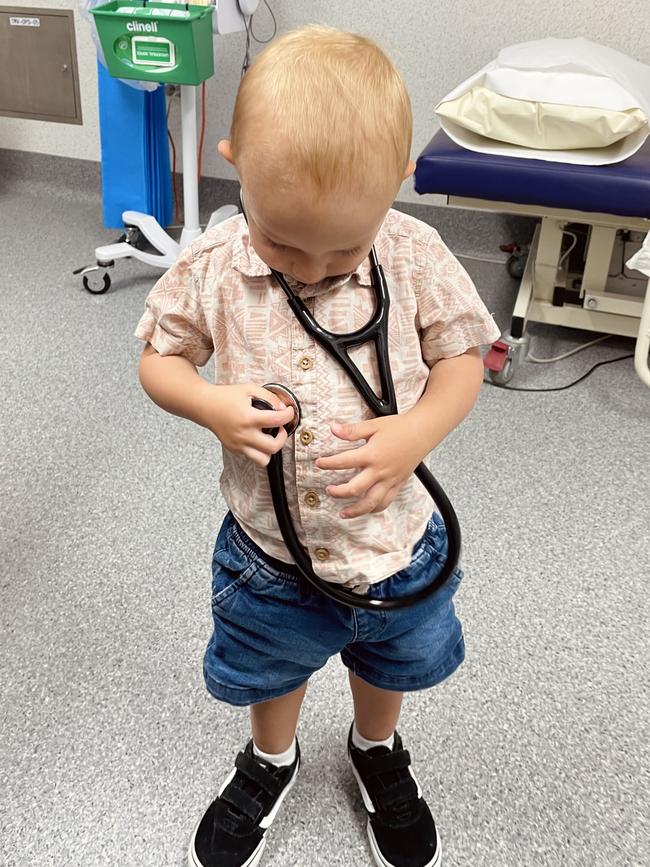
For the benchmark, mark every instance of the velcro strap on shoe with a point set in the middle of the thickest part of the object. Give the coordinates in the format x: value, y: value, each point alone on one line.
x: 396, y: 761
x: 259, y: 774
x: 398, y: 793
x: 242, y: 801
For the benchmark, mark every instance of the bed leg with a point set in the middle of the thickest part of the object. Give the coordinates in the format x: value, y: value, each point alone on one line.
x: 509, y: 352
x: 643, y: 341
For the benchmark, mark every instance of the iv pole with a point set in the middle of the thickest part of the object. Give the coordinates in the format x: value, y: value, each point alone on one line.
x: 228, y: 18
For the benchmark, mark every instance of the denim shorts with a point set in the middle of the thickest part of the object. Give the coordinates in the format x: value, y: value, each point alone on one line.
x: 271, y: 634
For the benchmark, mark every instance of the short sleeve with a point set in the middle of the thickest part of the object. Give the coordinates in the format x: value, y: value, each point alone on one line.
x: 452, y: 318
x: 174, y: 321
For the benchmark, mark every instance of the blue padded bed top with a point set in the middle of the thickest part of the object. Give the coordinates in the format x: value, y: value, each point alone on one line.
x: 621, y: 188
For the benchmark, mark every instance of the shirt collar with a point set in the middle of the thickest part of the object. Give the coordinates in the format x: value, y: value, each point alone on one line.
x: 246, y: 261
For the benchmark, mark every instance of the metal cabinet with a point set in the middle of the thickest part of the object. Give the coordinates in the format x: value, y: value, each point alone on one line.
x: 38, y: 64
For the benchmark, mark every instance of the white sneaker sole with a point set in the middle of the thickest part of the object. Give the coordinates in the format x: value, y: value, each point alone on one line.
x: 436, y: 861
x: 255, y: 858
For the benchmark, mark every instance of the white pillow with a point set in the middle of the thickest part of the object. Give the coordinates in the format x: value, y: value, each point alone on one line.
x: 545, y: 125
x: 562, y: 100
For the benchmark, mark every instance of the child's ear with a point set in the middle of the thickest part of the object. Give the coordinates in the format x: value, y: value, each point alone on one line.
x: 410, y: 168
x: 225, y: 150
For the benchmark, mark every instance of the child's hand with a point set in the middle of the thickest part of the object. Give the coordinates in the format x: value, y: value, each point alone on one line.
x: 228, y: 413
x: 392, y: 450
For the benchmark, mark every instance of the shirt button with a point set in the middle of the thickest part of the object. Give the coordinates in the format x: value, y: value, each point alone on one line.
x: 312, y: 499
x: 322, y: 553
x: 306, y: 437
x: 306, y: 362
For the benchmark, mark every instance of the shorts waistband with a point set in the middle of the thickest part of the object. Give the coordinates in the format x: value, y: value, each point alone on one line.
x: 278, y: 568
x: 289, y: 571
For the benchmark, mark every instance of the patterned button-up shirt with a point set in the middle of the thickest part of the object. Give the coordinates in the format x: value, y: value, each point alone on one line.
x: 221, y: 298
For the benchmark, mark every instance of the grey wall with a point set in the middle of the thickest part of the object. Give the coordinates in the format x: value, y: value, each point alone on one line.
x: 435, y: 43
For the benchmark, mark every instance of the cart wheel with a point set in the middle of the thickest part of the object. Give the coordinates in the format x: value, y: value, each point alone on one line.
x: 501, y: 377
x: 516, y: 266
x: 93, y: 285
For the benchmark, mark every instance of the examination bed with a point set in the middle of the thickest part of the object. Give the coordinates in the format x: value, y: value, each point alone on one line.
x: 602, y: 206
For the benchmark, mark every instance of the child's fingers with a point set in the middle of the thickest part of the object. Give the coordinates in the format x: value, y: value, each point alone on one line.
x: 356, y: 487
x: 261, y: 447
x: 265, y: 443
x: 375, y: 500
x: 271, y: 417
x: 277, y: 442
x: 259, y: 458
x: 363, y: 507
x: 268, y: 396
x: 273, y: 399
x: 348, y: 460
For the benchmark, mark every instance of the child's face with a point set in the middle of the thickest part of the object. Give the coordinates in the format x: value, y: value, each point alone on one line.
x: 309, y: 237
x: 305, y: 234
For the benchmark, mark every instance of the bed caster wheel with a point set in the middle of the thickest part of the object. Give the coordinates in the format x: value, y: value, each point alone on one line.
x: 502, y: 377
x: 96, y: 283
x: 516, y: 262
x: 505, y: 357
x: 516, y: 265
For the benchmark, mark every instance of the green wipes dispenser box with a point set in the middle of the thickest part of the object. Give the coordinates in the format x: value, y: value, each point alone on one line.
x: 157, y: 41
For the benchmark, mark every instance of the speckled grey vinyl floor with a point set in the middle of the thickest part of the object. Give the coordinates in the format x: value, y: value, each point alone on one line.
x: 536, y: 753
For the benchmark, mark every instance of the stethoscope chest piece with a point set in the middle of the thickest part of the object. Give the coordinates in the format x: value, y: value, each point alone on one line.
x: 288, y: 398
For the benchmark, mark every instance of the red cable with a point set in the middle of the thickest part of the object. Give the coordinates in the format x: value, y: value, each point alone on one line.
x: 202, y: 139
x: 171, y: 141
x: 176, y: 208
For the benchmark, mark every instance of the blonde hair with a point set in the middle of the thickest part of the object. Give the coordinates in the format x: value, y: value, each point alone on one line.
x: 326, y: 104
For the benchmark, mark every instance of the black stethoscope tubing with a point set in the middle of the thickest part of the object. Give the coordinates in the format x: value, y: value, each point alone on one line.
x: 337, y: 345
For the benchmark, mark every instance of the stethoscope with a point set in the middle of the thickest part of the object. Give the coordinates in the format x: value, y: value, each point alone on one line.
x: 337, y: 345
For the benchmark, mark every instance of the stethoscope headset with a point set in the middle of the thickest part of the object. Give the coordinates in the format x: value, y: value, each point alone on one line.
x: 337, y: 345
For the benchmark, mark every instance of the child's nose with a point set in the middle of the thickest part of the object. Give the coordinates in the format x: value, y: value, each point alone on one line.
x: 308, y: 273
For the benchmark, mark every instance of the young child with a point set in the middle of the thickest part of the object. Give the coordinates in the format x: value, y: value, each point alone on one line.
x: 320, y: 139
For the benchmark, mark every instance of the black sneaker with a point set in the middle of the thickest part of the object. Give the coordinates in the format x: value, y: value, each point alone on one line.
x: 231, y: 833
x: 400, y: 825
